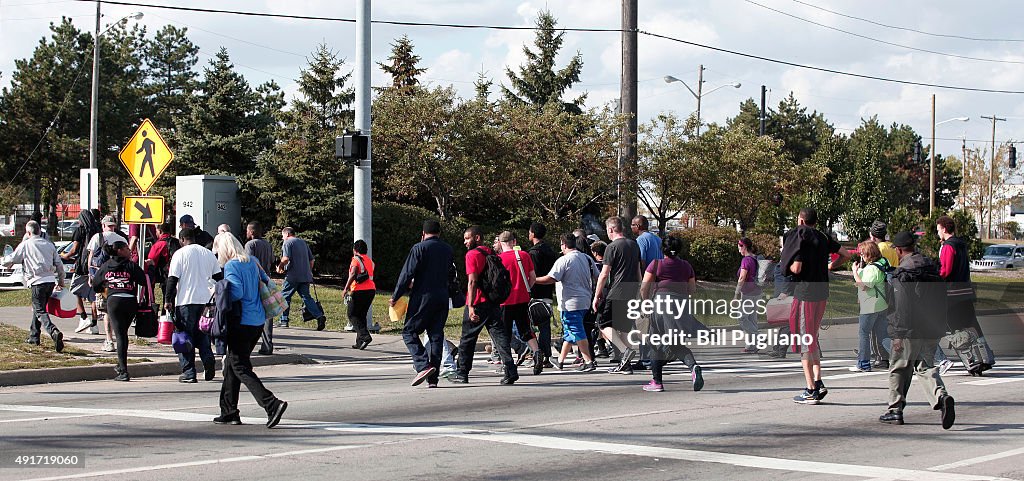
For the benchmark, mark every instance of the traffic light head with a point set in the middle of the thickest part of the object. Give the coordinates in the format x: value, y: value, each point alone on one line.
x: 1013, y: 157
x: 351, y: 147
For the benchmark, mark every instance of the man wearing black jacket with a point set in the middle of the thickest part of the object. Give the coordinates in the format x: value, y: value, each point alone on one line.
x: 915, y: 328
x: 425, y: 278
x: 543, y: 258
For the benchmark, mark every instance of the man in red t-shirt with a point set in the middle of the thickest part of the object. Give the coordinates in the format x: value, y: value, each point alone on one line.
x: 515, y: 310
x: 481, y: 312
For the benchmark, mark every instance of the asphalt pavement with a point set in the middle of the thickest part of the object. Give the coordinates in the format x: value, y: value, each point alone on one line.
x: 353, y: 415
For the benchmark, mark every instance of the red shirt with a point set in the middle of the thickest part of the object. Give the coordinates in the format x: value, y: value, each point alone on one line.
x: 475, y: 263
x: 520, y: 290
x: 158, y: 251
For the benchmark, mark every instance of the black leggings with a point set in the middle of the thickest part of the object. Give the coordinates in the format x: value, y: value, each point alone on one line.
x: 357, y: 310
x: 121, y: 312
x: 682, y: 353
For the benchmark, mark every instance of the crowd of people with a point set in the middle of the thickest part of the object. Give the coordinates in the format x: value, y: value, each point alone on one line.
x: 910, y: 305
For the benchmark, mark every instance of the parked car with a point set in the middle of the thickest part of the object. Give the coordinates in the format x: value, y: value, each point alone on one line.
x: 66, y: 227
x: 1000, y: 256
x: 14, y: 276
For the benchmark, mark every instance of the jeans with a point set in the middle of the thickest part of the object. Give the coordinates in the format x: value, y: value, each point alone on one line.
x: 238, y: 370
x: 40, y: 296
x: 188, y: 317
x: 429, y: 317
x: 302, y: 288
x: 501, y: 334
x: 121, y: 312
x: 748, y: 320
x: 875, y: 323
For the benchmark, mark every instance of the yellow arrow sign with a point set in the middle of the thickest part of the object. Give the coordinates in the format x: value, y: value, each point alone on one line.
x: 143, y: 210
x: 146, y: 156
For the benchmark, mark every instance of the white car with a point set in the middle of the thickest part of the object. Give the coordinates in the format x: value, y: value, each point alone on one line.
x: 1000, y: 256
x: 14, y: 277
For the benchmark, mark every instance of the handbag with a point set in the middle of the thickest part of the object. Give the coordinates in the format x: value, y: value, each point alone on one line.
x: 363, y: 275
x: 271, y: 297
x: 306, y: 315
x: 207, y: 316
x: 145, y: 317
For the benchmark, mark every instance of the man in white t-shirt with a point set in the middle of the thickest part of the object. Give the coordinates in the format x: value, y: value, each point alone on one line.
x: 187, y: 292
x: 94, y: 248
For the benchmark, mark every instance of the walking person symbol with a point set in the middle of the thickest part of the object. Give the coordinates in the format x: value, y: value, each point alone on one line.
x: 148, y: 146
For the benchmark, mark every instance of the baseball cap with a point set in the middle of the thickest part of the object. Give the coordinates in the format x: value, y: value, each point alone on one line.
x: 108, y: 220
x: 903, y: 240
x: 187, y: 219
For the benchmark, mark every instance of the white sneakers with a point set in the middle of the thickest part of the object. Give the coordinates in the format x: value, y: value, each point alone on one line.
x: 944, y: 366
x: 108, y: 346
x: 83, y: 325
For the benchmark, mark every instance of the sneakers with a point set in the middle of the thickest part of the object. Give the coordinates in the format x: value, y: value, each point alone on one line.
x: 58, y: 340
x: 210, y: 373
x: 232, y: 419
x: 283, y: 323
x: 892, y: 417
x: 321, y: 323
x: 83, y: 324
x: 948, y: 411
x: 423, y: 375
x: 944, y: 366
x: 458, y: 379
x: 185, y: 379
x: 621, y: 369
x: 122, y: 375
x: 558, y: 365
x: 446, y: 372
x: 822, y: 390
x: 860, y: 369
x: 807, y: 397
x: 508, y: 381
x: 108, y: 346
x: 587, y: 367
x: 274, y: 416
x: 698, y: 378
x: 881, y: 364
x: 653, y: 387
x: 523, y: 356
x: 538, y: 365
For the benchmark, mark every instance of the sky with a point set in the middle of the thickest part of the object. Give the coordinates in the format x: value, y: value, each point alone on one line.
x: 276, y: 49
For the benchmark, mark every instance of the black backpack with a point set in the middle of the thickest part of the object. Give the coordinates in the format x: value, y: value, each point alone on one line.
x: 495, y: 280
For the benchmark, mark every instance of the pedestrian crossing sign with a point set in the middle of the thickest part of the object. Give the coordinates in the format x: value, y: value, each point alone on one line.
x: 146, y: 156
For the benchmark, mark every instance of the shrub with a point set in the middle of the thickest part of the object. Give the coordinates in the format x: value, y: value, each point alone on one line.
x: 712, y: 251
x: 966, y: 229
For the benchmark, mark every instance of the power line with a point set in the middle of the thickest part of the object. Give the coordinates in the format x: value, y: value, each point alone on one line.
x: 828, y: 70
x: 908, y: 29
x: 501, y: 27
x: 934, y: 52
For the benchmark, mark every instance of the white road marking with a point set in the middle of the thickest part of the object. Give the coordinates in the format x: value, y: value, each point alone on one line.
x: 978, y: 460
x: 550, y: 442
x: 47, y: 418
x: 994, y: 380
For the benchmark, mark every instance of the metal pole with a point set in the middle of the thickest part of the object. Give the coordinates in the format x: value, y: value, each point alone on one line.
x: 963, y: 173
x: 991, y: 173
x: 93, y: 108
x: 700, y: 86
x: 362, y: 203
x: 763, y: 94
x: 931, y: 167
x: 628, y: 93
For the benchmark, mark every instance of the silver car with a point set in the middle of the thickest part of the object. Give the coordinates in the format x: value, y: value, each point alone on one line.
x: 1000, y: 256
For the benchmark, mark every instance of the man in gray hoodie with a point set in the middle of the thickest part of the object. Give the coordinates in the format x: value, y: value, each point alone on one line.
x: 43, y: 271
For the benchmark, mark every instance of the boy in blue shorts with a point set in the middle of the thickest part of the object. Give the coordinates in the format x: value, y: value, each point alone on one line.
x: 572, y: 276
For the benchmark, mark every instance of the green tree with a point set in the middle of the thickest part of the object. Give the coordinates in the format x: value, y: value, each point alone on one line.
x: 830, y: 193
x: 801, y: 132
x: 403, y: 66
x: 668, y: 156
x: 870, y: 186
x: 170, y: 61
x: 538, y: 83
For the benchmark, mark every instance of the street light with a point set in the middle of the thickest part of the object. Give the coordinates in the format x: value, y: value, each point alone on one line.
x: 699, y: 94
x: 93, y: 108
x: 931, y: 162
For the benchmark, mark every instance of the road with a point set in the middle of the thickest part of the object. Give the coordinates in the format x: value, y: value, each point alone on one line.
x: 362, y: 420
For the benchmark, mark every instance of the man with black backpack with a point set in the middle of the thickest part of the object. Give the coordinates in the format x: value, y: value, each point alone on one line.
x: 489, y: 285
x: 158, y: 259
x: 915, y: 328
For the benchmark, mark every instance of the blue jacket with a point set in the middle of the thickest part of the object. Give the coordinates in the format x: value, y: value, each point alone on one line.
x: 426, y: 269
x: 244, y: 285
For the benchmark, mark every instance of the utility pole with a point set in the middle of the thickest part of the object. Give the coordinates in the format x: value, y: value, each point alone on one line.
x: 627, y: 161
x: 362, y: 203
x: 764, y: 91
x: 700, y: 86
x: 991, y: 173
x: 93, y: 107
x: 963, y: 172
x: 931, y: 166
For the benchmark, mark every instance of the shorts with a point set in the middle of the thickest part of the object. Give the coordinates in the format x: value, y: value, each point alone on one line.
x: 805, y: 319
x: 572, y: 326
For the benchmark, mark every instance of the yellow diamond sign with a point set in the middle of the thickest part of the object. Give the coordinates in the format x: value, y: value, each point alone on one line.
x: 146, y: 156
x: 143, y: 210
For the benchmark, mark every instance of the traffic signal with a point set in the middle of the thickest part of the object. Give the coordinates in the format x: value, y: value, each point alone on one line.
x: 917, y: 151
x: 1013, y: 157
x: 351, y: 147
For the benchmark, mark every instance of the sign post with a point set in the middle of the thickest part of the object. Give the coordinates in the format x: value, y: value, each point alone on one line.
x: 145, y: 156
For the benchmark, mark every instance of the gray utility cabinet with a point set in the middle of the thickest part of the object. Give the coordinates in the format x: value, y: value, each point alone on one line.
x: 211, y: 200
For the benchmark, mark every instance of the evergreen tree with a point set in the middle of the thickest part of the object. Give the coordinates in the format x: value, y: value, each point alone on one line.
x: 482, y: 86
x: 538, y: 83
x: 170, y: 59
x: 403, y: 66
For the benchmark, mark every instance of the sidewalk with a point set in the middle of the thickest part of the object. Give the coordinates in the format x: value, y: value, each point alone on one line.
x: 300, y: 344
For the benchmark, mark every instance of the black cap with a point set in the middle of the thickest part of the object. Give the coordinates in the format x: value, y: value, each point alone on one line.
x: 878, y: 229
x: 903, y: 240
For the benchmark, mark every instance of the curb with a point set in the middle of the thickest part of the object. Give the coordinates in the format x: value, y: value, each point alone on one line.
x: 100, y: 372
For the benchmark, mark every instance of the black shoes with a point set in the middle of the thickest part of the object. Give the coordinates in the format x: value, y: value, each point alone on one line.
x: 360, y: 345
x: 822, y: 390
x: 892, y: 417
x: 34, y: 342
x: 274, y: 415
x: 458, y: 379
x: 187, y: 379
x: 58, y: 340
x: 122, y: 375
x: 508, y: 381
x: 321, y: 322
x: 538, y: 364
x: 233, y: 419
x: 948, y: 411
x: 210, y: 373
x: 266, y: 352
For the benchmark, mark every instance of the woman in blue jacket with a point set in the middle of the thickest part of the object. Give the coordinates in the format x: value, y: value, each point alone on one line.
x: 243, y: 277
